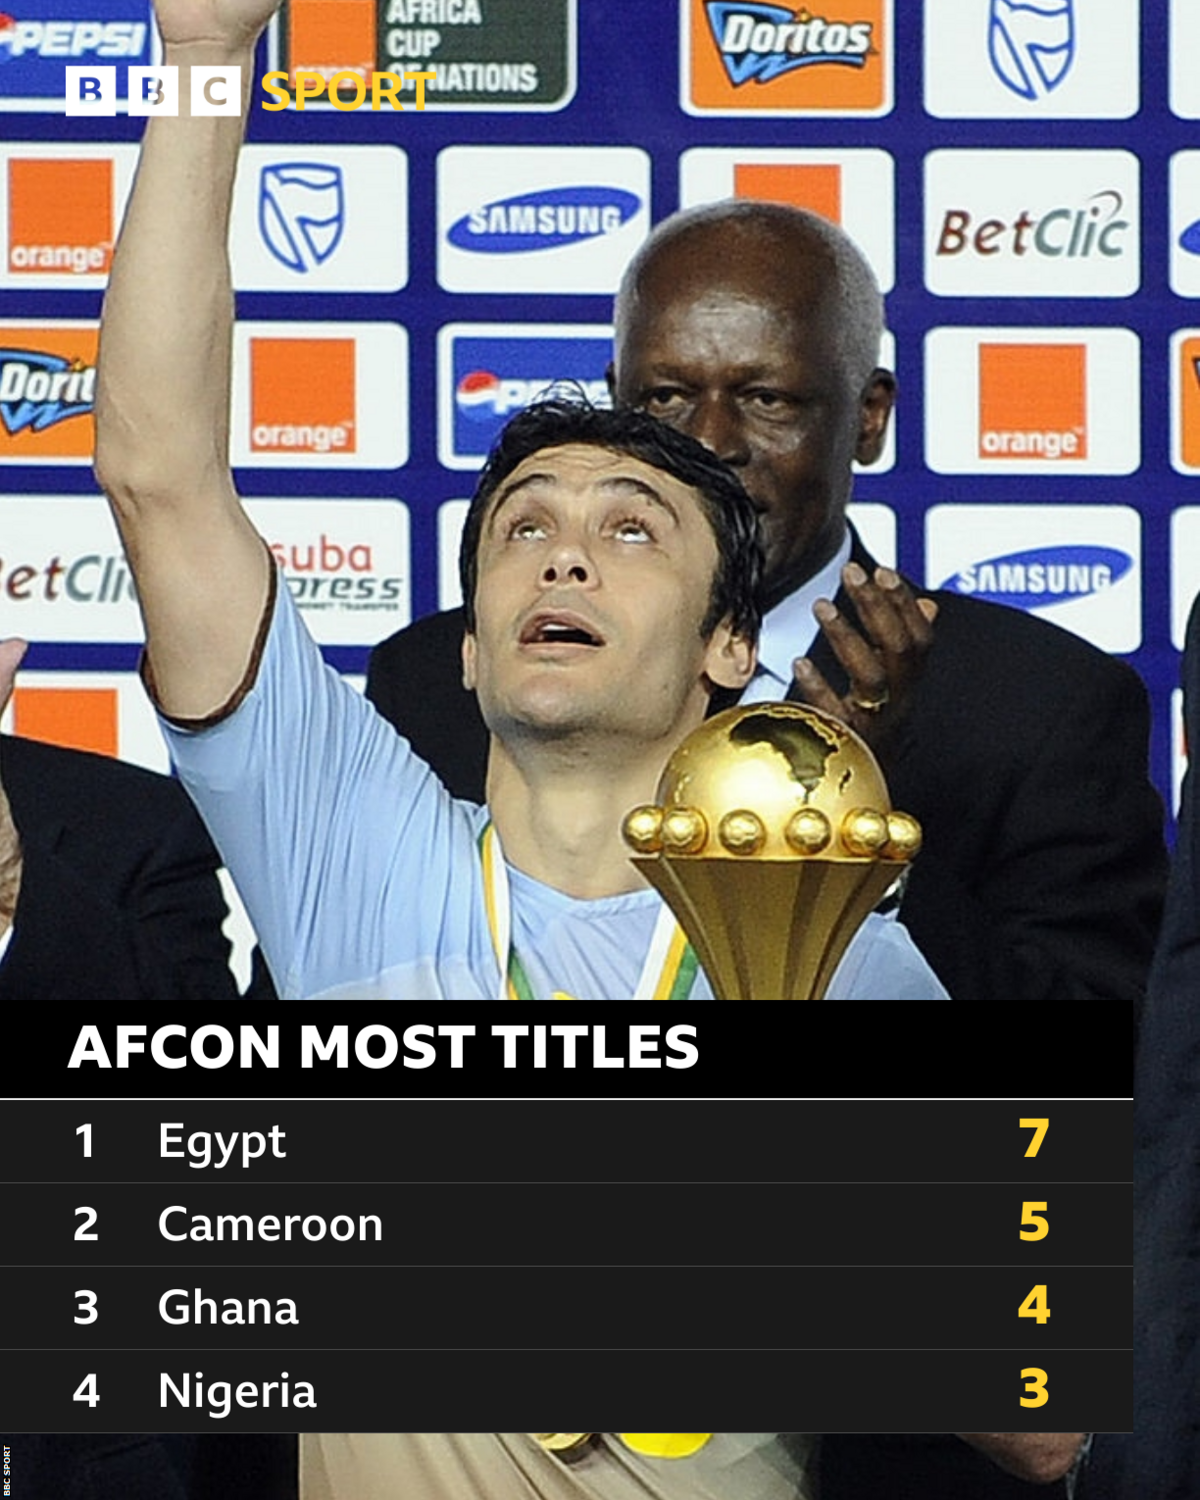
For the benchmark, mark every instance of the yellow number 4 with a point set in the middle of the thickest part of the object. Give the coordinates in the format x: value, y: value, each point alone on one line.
x: 1034, y: 1306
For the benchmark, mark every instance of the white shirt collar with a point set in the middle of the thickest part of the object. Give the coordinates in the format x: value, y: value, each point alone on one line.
x: 789, y: 630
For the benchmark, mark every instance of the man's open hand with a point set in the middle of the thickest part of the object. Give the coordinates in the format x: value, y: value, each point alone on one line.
x: 883, y: 662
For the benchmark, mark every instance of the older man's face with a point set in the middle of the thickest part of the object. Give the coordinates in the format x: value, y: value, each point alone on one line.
x: 736, y: 343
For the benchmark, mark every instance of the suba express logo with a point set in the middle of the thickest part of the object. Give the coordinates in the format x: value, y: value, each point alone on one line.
x: 543, y: 219
x: 1040, y: 576
x: 760, y: 42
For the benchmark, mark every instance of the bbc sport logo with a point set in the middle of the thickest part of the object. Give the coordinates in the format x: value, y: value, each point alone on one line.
x: 217, y: 90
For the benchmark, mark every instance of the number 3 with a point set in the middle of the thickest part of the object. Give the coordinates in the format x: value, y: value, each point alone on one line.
x: 1035, y: 1384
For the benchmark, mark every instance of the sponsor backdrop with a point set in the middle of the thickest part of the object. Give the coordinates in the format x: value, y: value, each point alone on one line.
x: 1024, y: 178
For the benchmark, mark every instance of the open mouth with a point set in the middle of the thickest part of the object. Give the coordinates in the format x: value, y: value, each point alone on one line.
x: 559, y: 630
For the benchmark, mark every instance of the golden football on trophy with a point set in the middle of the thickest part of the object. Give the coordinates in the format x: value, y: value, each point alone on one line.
x: 772, y: 838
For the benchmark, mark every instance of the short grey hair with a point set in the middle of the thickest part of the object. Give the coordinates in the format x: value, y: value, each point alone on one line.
x: 796, y: 231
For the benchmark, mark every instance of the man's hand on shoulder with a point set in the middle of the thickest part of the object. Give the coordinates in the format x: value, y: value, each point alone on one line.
x: 883, y: 661
x: 11, y: 652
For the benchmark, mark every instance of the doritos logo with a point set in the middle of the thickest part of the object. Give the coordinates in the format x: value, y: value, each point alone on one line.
x: 332, y: 36
x: 746, y: 54
x: 79, y: 718
x: 302, y: 395
x: 815, y: 187
x: 47, y: 386
x: 1033, y: 401
x: 1189, y: 402
x: 759, y: 42
x: 60, y: 216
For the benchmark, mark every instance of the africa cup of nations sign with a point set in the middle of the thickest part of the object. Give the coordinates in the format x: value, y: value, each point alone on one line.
x: 482, y: 54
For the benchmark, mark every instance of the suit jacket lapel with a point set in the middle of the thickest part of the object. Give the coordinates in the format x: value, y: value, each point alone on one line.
x: 821, y: 655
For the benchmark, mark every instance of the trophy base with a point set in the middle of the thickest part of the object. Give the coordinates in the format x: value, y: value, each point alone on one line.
x: 769, y: 929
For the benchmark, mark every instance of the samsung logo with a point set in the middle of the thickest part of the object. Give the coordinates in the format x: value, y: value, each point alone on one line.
x: 1189, y: 240
x: 539, y: 221
x: 1042, y: 575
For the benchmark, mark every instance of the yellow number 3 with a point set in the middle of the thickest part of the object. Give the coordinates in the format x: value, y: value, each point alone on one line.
x: 1035, y: 1384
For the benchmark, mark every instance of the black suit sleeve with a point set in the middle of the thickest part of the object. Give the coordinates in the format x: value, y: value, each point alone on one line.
x: 119, y: 895
x: 1046, y: 884
x: 414, y: 679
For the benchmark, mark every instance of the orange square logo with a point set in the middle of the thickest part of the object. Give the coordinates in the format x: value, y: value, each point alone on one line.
x: 1033, y: 401
x: 60, y: 216
x: 1189, y: 402
x: 47, y: 386
x: 79, y: 718
x: 818, y: 188
x: 749, y: 56
x: 331, y: 36
x: 302, y: 395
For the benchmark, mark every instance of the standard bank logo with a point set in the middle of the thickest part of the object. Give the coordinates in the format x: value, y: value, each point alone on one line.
x: 1077, y: 565
x: 1020, y: 59
x: 43, y: 35
x: 301, y: 212
x: 487, y: 372
x: 539, y: 219
x: 1031, y: 44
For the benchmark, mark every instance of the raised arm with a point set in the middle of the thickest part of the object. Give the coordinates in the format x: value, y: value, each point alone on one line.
x: 162, y: 401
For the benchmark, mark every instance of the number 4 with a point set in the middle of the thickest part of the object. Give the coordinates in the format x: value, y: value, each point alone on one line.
x: 1034, y: 1306
x: 87, y: 1390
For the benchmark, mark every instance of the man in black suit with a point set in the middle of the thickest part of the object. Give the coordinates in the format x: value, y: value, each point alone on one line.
x: 1021, y: 749
x: 108, y: 883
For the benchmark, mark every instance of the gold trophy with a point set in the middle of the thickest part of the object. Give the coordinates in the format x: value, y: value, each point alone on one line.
x: 772, y: 839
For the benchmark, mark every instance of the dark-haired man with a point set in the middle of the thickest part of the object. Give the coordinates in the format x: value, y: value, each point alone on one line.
x: 1020, y: 748
x: 612, y: 567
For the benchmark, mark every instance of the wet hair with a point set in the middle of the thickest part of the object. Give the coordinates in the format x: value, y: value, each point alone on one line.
x: 793, y: 232
x: 732, y: 515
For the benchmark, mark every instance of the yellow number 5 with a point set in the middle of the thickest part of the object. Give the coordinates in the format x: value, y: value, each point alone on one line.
x: 1039, y: 1226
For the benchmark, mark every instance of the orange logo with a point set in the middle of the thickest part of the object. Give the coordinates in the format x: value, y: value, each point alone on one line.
x: 1033, y: 401
x: 60, y: 216
x: 818, y: 188
x: 79, y: 718
x: 47, y: 384
x: 331, y: 36
x: 746, y: 56
x: 1189, y: 402
x: 302, y: 395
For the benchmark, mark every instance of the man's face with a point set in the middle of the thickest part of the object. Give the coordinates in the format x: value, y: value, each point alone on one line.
x: 595, y: 573
x: 735, y: 341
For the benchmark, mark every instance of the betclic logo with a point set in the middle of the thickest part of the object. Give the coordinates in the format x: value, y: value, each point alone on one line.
x: 63, y: 574
x: 1031, y: 59
x: 1078, y: 566
x: 853, y: 188
x: 1032, y: 401
x: 540, y: 218
x: 47, y: 387
x: 320, y: 395
x: 750, y: 57
x: 1031, y: 223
